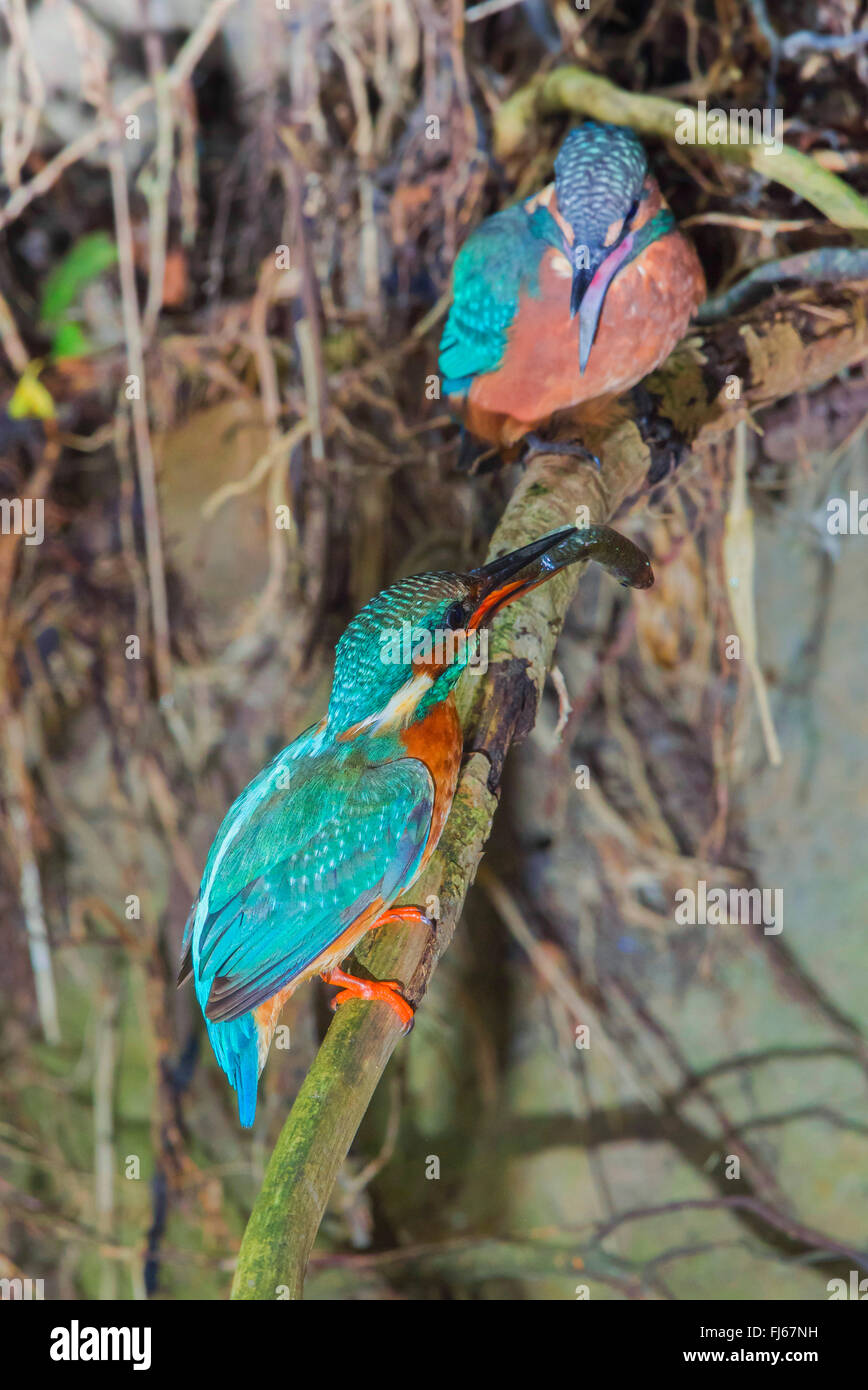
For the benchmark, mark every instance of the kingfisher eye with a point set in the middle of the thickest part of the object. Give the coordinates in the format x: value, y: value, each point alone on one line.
x: 454, y: 616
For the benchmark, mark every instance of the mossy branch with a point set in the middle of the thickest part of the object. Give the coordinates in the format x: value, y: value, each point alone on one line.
x: 586, y: 94
x: 781, y: 348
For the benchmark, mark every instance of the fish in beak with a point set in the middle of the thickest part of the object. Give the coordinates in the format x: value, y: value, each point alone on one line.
x: 507, y: 578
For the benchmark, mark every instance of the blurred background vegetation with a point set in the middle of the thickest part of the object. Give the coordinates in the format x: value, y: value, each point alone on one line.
x: 496, y: 1149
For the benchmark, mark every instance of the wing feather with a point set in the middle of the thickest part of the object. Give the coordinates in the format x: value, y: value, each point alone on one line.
x: 495, y: 265
x: 294, y: 865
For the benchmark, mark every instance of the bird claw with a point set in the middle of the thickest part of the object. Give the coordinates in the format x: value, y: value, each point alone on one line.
x: 377, y: 991
x: 407, y: 914
x: 534, y: 445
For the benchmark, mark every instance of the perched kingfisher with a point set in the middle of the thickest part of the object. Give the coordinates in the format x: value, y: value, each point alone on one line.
x: 570, y: 297
x: 318, y: 847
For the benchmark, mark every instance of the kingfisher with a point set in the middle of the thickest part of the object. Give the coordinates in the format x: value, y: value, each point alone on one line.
x: 317, y: 848
x: 564, y: 301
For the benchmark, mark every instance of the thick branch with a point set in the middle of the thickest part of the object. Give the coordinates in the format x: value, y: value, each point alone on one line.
x: 781, y: 348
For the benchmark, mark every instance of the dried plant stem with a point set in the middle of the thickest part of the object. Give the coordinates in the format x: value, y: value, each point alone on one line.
x: 30, y: 885
x: 738, y: 559
x: 146, y: 465
x: 157, y: 190
x: 105, y: 1047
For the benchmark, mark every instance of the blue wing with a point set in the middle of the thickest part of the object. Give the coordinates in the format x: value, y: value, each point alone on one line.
x: 299, y: 856
x: 498, y: 262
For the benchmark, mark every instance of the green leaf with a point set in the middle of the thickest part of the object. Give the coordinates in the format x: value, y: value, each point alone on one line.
x: 70, y: 340
x: 84, y: 262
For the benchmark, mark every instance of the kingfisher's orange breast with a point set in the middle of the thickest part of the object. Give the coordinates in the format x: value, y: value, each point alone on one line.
x: 437, y: 741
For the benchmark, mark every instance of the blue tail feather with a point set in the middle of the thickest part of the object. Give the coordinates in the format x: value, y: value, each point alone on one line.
x: 236, y: 1047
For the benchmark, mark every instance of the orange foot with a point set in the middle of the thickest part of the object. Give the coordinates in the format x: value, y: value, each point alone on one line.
x: 387, y: 991
x: 405, y: 914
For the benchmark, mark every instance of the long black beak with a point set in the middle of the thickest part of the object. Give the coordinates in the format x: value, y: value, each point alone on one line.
x: 505, y: 579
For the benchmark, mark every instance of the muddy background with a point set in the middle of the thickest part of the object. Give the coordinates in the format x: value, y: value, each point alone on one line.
x: 123, y: 1170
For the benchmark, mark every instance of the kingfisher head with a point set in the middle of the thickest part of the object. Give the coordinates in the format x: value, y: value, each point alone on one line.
x: 407, y: 648
x: 601, y: 182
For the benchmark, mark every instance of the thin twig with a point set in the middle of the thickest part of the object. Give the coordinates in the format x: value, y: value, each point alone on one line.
x: 147, y: 471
